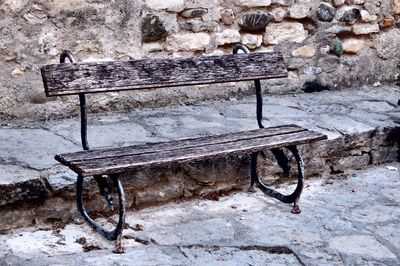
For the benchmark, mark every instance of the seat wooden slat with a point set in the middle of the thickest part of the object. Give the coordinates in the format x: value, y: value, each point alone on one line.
x: 68, y: 158
x: 66, y: 79
x: 132, y: 162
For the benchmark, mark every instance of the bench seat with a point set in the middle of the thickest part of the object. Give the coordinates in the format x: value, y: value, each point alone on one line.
x: 116, y: 160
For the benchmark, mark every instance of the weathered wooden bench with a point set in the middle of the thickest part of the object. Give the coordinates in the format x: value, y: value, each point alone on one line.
x: 82, y: 78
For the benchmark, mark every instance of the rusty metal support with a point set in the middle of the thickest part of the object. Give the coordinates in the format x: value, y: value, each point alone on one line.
x: 292, y: 198
x: 110, y: 235
x: 279, y: 155
x: 102, y: 181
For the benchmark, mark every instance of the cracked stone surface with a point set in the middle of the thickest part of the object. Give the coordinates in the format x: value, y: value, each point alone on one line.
x: 351, y: 220
x: 34, y: 148
x: 358, y: 123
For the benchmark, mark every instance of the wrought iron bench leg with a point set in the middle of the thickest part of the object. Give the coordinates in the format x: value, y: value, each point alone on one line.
x: 113, y: 234
x: 292, y: 198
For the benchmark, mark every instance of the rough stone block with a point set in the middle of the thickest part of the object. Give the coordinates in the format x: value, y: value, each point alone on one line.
x: 385, y: 154
x: 194, y: 12
x: 367, y: 17
x: 188, y: 41
x: 353, y: 46
x: 360, y: 29
x: 300, y: 10
x: 338, y: 2
x: 15, y: 5
x: 283, y: 2
x: 17, y: 191
x: 227, y: 16
x: 252, y: 40
x: 304, y: 51
x: 312, y: 70
x: 284, y: 32
x: 195, y: 25
x: 396, y: 7
x: 325, y: 12
x: 348, y: 14
x: 253, y: 3
x: 351, y: 162
x: 170, y: 5
x: 278, y: 14
x: 339, y: 29
x: 254, y: 21
x: 387, y: 45
x: 153, y: 29
x: 227, y: 36
x: 356, y: 2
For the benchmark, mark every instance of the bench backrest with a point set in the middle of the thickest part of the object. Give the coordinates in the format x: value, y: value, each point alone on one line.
x: 78, y: 78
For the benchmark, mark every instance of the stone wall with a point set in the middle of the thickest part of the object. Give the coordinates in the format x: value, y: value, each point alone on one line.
x: 328, y: 44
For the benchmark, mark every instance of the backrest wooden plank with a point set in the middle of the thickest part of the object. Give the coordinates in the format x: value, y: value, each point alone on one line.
x: 68, y: 78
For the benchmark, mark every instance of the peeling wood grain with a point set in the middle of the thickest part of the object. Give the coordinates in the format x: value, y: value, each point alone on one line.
x: 113, y: 165
x: 67, y: 158
x: 67, y: 79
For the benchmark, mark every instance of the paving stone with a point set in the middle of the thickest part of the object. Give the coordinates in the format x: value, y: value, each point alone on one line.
x: 362, y: 245
x: 26, y: 147
x: 377, y: 213
x: 389, y: 231
x: 10, y: 174
x: 343, y: 124
x: 105, y: 134
x: 377, y: 106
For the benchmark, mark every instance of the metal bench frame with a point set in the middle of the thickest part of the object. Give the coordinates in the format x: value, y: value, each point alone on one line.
x: 105, y: 188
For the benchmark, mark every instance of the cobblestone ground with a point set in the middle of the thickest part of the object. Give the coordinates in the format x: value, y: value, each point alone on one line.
x: 352, y: 219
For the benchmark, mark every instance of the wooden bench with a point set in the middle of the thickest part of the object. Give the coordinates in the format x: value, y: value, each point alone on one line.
x: 82, y: 78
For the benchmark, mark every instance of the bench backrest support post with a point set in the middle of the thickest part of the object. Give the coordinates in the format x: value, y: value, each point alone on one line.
x: 257, y: 84
x: 82, y: 102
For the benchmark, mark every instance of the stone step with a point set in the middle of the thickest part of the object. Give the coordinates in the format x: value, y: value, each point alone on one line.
x: 362, y: 127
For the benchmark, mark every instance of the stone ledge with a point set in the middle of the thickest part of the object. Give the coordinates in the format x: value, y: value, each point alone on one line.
x: 362, y: 126
x: 32, y: 201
